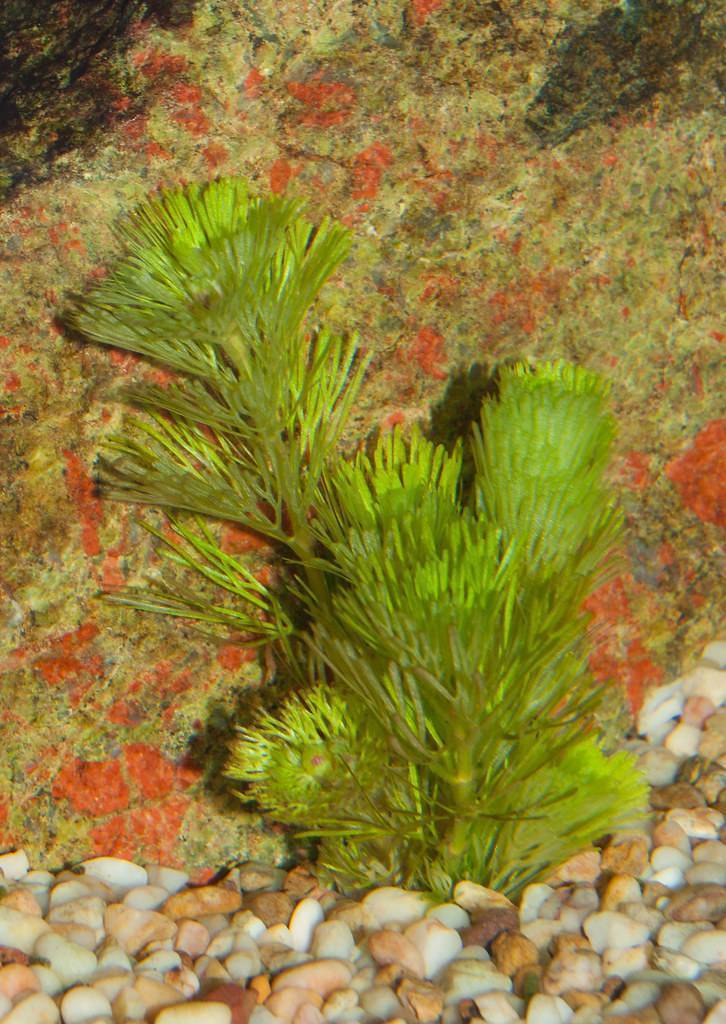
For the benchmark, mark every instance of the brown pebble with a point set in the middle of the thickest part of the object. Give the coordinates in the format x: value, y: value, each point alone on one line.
x: 653, y: 893
x: 270, y: 907
x: 592, y: 1000
x: 691, y: 769
x: 240, y: 1000
x: 527, y: 980
x: 487, y: 924
x: 389, y: 975
x: 698, y: 903
x: 648, y: 1015
x: 512, y: 950
x: 627, y: 856
x: 679, y: 1002
x: 612, y: 986
x: 300, y: 882
x: 568, y: 940
x: 390, y: 947
x: 11, y: 955
x: 425, y: 999
x: 678, y: 794
x: 468, y: 1010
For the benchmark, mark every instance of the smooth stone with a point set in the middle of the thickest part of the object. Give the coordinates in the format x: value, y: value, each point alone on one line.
x: 715, y: 654
x: 20, y: 931
x: 698, y: 903
x: 110, y: 955
x: 424, y: 999
x: 14, y: 865
x: 17, y: 978
x: 285, y: 1003
x: 392, y: 905
x: 305, y: 918
x: 202, y: 901
x: 81, y: 1003
x: 680, y: 1003
x: 247, y: 922
x: 582, y: 867
x: 133, y: 929
x: 154, y: 992
x: 639, y: 994
x: 73, y: 889
x: 544, y: 1009
x: 321, y: 976
x: 391, y: 947
x: 659, y: 708
x: 669, y: 857
x: 254, y: 876
x: 128, y: 1006
x: 473, y: 897
x: 672, y: 878
x: 512, y: 950
x: 659, y: 766
x: 628, y: 855
x: 192, y: 938
x: 381, y: 1002
x: 85, y: 910
x: 30, y: 899
x: 467, y: 979
x: 573, y: 968
x: 697, y: 710
x: 450, y: 914
x: 37, y: 1008
x: 674, y: 933
x: 116, y: 872
x: 437, y: 944
x: 332, y: 939
x: 111, y: 982
x: 171, y: 879
x: 625, y: 962
x: 145, y: 897
x: 716, y: 1015
x: 160, y: 961
x: 677, y: 964
x: 705, y: 682
x: 706, y: 873
x: 683, y: 740
x: 195, y: 1013
x: 71, y: 962
x: 499, y: 1007
x: 338, y: 1003
x: 533, y: 896
x: 708, y: 947
x: 541, y: 932
x: 620, y: 889
x: 710, y: 850
x: 670, y: 833
x: 243, y: 964
x: 612, y: 929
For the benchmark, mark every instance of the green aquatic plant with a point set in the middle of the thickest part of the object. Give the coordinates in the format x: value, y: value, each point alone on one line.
x: 440, y: 721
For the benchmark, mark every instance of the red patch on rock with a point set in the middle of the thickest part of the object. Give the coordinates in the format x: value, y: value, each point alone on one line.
x: 427, y: 349
x: 82, y: 490
x: 149, y: 831
x: 327, y: 103
x: 699, y: 474
x: 91, y: 787
x: 368, y: 168
x: 241, y: 1001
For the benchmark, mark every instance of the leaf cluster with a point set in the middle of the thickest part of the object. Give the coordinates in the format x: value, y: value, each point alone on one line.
x: 445, y: 725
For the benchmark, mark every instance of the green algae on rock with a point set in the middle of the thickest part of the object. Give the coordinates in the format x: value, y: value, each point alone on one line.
x: 443, y: 724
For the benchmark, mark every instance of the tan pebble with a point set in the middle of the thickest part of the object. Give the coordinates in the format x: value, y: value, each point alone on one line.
x: 22, y: 900
x: 648, y: 1015
x: 183, y: 979
x: 472, y: 897
x: 192, y: 937
x: 128, y: 1005
x: 355, y: 915
x: 573, y: 968
x: 17, y: 978
x: 627, y: 856
x: 527, y: 980
x: 254, y: 876
x: 271, y: 907
x: 285, y: 1003
x: 389, y: 975
x: 696, y: 710
x: 307, y: 1014
x: 620, y: 889
x: 322, y: 976
x: 705, y: 902
x: 569, y: 940
x: 189, y: 1013
x: 670, y: 833
x: 425, y: 999
x: 575, y: 998
x: 512, y: 950
x: 583, y: 867
x: 112, y: 981
x: 205, y: 899
x: 300, y: 882
x: 154, y: 994
x: 712, y: 745
x: 260, y: 985
x: 678, y: 794
x: 133, y: 929
x: 679, y: 1002
x: 79, y: 933
x: 339, y: 1002
x: 210, y: 967
x: 390, y: 947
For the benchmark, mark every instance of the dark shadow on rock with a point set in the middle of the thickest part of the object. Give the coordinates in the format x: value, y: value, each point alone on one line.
x: 627, y: 55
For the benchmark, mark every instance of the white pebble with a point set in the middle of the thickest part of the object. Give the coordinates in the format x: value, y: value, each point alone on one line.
x: 674, y: 933
x: 14, y: 865
x: 247, y: 922
x: 708, y: 947
x: 37, y: 1008
x: 625, y: 962
x: 170, y: 879
x: 669, y: 857
x: 499, y: 1007
x: 685, y: 968
x: 195, y: 1013
x: 611, y: 929
x: 82, y: 1003
x: 543, y: 1009
x: 533, y: 896
x: 381, y: 1002
x: 450, y: 914
x: 673, y: 877
x: 146, y: 897
x: 20, y: 930
x: 710, y: 850
x: 332, y: 939
x: 391, y: 905
x: 243, y: 965
x: 683, y: 740
x: 696, y: 822
x: 305, y: 918
x: 48, y: 980
x: 467, y: 979
x: 437, y: 943
x: 659, y: 766
x: 704, y: 681
x: 658, y: 709
x: 120, y: 874
x: 71, y: 962
x: 715, y: 654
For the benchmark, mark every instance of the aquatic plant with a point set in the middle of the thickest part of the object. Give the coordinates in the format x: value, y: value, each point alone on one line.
x: 440, y: 721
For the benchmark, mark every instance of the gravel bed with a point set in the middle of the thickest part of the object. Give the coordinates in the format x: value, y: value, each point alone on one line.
x: 633, y: 930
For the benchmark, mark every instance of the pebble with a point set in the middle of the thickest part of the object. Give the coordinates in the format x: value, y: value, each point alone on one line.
x: 633, y: 929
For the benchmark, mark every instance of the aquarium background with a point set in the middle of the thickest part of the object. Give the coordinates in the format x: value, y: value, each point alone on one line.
x: 535, y: 179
